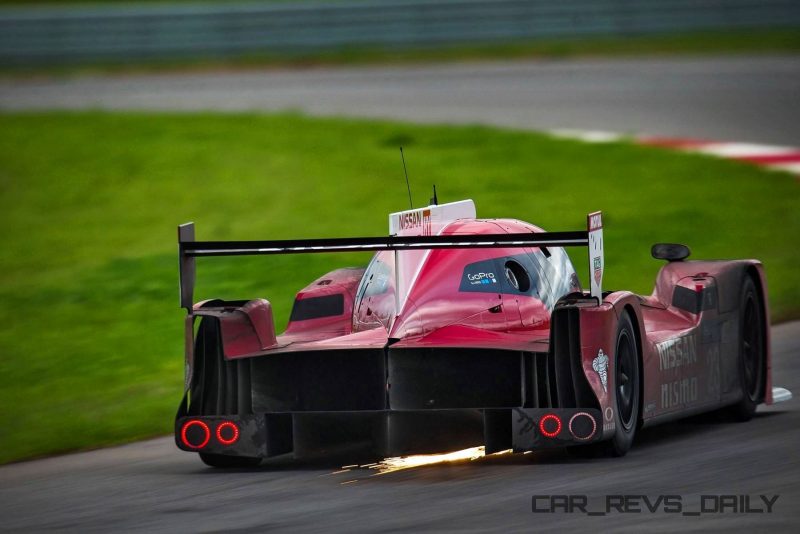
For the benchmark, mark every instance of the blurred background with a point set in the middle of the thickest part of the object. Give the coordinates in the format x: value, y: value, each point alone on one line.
x: 114, y: 32
x: 282, y: 119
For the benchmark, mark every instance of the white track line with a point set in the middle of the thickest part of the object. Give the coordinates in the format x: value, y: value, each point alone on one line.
x: 733, y: 150
x: 589, y: 136
x: 744, y: 150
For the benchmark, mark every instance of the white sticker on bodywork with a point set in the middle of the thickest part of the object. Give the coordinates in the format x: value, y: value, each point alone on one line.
x: 596, y: 261
x: 600, y: 366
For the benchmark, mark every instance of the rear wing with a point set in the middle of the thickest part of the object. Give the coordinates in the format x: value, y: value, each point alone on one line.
x: 189, y: 249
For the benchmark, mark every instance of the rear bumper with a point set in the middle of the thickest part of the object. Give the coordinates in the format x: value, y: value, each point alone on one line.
x: 387, y: 433
x: 387, y: 401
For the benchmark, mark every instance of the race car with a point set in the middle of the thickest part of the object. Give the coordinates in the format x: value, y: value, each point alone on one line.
x: 464, y: 332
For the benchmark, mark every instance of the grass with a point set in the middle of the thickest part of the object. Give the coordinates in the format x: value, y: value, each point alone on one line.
x: 89, y: 203
x: 694, y: 43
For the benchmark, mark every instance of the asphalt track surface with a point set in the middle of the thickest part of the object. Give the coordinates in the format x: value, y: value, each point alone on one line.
x: 751, y: 99
x: 152, y: 486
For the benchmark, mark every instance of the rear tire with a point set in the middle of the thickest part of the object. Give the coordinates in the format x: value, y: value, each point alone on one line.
x: 751, y: 351
x: 223, y: 461
x: 628, y: 388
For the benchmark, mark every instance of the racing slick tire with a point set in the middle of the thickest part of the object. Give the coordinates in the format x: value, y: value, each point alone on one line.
x: 223, y: 461
x: 628, y: 388
x: 751, y: 351
x: 627, y: 381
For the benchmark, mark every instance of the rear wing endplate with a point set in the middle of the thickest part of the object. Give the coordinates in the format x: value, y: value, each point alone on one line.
x: 189, y: 249
x: 594, y: 223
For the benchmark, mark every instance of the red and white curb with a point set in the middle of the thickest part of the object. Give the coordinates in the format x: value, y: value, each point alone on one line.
x: 778, y: 158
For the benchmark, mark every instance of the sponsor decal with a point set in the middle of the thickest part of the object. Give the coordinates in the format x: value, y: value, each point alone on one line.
x: 653, y: 504
x: 677, y: 352
x: 600, y: 366
x: 598, y: 270
x: 481, y: 278
x: 609, y: 424
x: 651, y: 406
x: 679, y: 392
x: 416, y: 219
x: 595, y: 221
x: 529, y: 423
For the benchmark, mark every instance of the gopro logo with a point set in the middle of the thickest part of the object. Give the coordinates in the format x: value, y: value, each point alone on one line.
x: 482, y: 278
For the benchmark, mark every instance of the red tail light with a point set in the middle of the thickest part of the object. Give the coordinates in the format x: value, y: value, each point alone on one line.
x: 550, y: 425
x: 227, y: 433
x: 195, y: 434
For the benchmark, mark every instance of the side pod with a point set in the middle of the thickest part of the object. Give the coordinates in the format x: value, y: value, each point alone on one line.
x: 245, y: 327
x: 590, y: 330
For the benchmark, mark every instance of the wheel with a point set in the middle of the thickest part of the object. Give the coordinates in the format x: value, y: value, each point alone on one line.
x: 628, y: 388
x: 224, y: 461
x: 628, y: 391
x: 751, y: 351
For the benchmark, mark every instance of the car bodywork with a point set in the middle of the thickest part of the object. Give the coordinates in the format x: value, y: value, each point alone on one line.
x: 460, y: 332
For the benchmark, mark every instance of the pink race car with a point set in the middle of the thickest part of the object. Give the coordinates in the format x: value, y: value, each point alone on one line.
x: 463, y: 332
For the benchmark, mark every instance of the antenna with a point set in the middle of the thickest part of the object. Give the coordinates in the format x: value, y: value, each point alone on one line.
x: 434, y: 201
x: 406, y: 173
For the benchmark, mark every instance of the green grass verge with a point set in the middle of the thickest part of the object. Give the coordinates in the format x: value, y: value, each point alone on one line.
x: 695, y: 43
x: 91, y: 331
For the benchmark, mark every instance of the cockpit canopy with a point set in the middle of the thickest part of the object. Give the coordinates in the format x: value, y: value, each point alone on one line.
x: 500, y: 288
